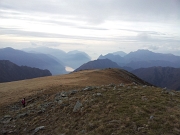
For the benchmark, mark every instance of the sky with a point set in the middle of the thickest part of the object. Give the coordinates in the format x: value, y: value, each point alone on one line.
x: 93, y: 26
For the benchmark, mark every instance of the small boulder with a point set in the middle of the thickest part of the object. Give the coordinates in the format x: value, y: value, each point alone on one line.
x: 111, y: 85
x: 72, y: 92
x: 121, y: 85
x: 7, y: 116
x: 6, y: 119
x: 98, y: 94
x: 89, y: 88
x: 21, y: 115
x: 64, y: 94
x: 140, y: 128
x: 60, y: 102
x: 77, y: 106
x: 151, y: 117
x: 38, y: 128
x: 144, y: 98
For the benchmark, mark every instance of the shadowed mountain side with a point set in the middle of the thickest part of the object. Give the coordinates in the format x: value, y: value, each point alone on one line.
x: 160, y: 76
x: 151, y: 63
x: 11, y: 72
x: 41, y: 61
x: 80, y: 79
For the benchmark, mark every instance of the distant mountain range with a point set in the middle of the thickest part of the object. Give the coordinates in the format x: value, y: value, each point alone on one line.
x: 72, y: 59
x: 157, y: 72
x: 12, y: 72
x: 36, y: 60
x: 160, y: 76
x: 144, y: 59
x: 120, y: 53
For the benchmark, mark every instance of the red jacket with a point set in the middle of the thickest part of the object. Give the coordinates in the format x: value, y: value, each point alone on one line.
x: 23, y: 101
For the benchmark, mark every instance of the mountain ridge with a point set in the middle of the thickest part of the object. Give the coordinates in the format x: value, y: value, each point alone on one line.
x: 140, y: 57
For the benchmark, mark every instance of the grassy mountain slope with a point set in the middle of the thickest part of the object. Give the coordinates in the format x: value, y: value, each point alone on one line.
x: 102, y: 108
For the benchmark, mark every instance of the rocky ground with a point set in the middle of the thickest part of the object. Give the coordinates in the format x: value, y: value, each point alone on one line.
x: 103, y: 109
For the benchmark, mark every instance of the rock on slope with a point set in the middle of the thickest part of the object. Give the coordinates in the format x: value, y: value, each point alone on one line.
x: 12, y: 72
x: 106, y: 109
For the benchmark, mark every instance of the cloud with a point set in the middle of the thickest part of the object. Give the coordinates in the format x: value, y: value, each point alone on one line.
x: 153, y: 47
x: 98, y: 11
x: 141, y: 32
x: 34, y: 44
x: 103, y: 24
x: 144, y: 37
x: 33, y: 34
x: 22, y: 33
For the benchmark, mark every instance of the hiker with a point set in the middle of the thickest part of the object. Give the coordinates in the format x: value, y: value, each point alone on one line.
x: 23, y: 102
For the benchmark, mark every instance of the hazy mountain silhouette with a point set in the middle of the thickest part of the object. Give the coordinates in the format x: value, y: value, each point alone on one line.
x: 116, y: 58
x: 146, y: 55
x: 72, y: 59
x: 41, y: 61
x: 144, y: 58
x: 120, y: 53
x: 54, y: 53
x: 76, y: 52
x: 12, y: 72
x: 160, y: 76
